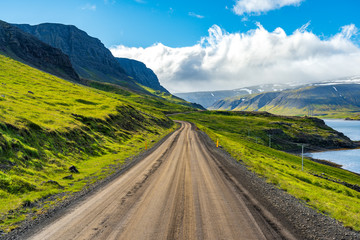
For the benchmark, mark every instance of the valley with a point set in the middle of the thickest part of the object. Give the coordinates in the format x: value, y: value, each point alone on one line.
x: 92, y: 146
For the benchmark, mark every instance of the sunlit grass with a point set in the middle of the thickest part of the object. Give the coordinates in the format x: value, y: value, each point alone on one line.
x: 48, y: 124
x: 323, y: 111
x: 283, y: 169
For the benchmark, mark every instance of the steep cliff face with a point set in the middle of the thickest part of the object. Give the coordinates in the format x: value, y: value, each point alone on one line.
x: 90, y: 58
x: 28, y: 49
x: 141, y: 73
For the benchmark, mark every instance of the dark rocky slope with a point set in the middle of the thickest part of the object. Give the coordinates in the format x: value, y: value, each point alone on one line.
x: 141, y: 73
x: 26, y: 48
x: 90, y: 58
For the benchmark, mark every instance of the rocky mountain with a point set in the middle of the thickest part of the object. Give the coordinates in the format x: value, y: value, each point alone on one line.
x: 28, y: 49
x: 141, y: 73
x: 324, y: 99
x: 208, y: 98
x: 90, y: 58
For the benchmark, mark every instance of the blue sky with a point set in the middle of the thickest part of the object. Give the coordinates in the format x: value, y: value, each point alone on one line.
x: 174, y: 23
x: 208, y: 45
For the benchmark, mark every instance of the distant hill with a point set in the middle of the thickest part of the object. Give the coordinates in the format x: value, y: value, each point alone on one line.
x: 90, y: 58
x: 322, y: 100
x: 208, y: 98
x: 141, y: 73
x: 28, y: 49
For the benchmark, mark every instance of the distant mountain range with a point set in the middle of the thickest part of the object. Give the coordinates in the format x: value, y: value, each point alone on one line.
x: 208, y: 98
x: 29, y: 50
x: 330, y: 99
x: 91, y: 59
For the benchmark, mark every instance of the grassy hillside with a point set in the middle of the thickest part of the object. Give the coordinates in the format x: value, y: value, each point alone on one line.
x: 48, y: 124
x: 154, y: 101
x: 328, y: 189
x: 331, y: 101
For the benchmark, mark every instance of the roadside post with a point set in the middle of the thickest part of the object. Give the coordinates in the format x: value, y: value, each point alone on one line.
x: 269, y: 141
x: 302, y: 157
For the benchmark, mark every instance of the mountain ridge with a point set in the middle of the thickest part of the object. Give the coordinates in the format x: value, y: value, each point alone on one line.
x: 322, y: 100
x: 208, y: 98
x: 28, y: 49
x: 88, y: 55
x: 141, y: 73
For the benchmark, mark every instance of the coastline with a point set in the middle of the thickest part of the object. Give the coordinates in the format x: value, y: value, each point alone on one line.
x: 329, y: 162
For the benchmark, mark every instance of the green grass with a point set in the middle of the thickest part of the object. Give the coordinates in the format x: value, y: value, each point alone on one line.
x: 48, y: 124
x: 157, y: 101
x: 287, y: 133
x: 323, y: 111
x: 283, y: 169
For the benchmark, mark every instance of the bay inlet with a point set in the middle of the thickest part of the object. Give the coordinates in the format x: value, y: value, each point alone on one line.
x: 349, y: 159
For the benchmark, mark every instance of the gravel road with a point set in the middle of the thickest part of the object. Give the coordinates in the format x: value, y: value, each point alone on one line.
x: 188, y: 189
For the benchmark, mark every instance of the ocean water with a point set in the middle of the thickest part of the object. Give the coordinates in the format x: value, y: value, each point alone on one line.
x: 349, y: 159
x: 350, y: 128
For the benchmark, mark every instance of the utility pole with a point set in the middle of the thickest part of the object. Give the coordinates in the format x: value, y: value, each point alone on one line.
x: 302, y: 157
x: 269, y: 141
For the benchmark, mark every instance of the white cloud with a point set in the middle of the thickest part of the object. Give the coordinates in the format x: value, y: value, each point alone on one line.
x: 304, y: 27
x: 225, y: 60
x: 242, y: 7
x: 195, y: 15
x: 348, y: 31
x: 88, y: 6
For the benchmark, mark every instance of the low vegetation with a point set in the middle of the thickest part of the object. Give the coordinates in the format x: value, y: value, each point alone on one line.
x: 330, y: 190
x: 156, y: 102
x: 48, y: 125
x: 323, y: 111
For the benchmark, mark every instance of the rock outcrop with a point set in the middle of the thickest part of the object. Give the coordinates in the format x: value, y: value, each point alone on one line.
x: 28, y: 49
x: 90, y: 58
x: 141, y: 73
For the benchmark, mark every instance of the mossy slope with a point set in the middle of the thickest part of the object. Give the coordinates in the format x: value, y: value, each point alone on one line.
x: 48, y: 124
x: 332, y: 191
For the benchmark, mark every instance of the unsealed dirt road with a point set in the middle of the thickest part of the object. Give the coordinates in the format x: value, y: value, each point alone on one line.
x: 180, y: 191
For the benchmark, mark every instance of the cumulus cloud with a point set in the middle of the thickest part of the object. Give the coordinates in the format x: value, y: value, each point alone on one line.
x: 256, y: 7
x: 192, y: 14
x: 225, y: 60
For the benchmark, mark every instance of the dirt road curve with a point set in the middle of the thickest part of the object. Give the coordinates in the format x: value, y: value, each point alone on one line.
x: 180, y: 191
